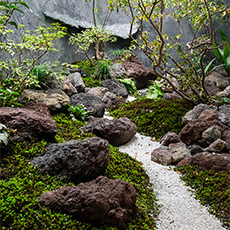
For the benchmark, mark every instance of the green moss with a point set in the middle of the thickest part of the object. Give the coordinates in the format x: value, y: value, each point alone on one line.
x: 69, y: 129
x: 21, y: 186
x: 154, y: 118
x: 212, y: 189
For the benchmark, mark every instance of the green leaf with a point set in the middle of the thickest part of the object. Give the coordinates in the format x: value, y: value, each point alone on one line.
x: 22, y: 3
x: 209, y: 65
x: 223, y: 36
x: 219, y: 53
x: 13, y: 24
x: 226, y: 51
x: 227, y: 65
x: 4, y: 4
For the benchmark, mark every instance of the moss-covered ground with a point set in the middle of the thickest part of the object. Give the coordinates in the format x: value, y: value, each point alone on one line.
x: 212, y: 189
x: 21, y: 185
x: 154, y: 118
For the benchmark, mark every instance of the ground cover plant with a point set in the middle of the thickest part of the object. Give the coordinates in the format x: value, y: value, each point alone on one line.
x: 212, y: 189
x: 154, y: 118
x: 21, y: 185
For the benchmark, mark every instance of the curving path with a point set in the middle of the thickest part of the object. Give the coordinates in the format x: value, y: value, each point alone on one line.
x: 180, y: 210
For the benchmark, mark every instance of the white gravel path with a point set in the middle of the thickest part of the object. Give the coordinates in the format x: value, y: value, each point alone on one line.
x: 180, y: 210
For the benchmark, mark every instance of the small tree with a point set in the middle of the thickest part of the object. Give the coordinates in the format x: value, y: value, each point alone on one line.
x: 96, y: 36
x: 200, y: 14
x: 15, y: 71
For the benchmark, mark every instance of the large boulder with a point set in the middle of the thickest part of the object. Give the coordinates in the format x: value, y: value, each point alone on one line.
x: 75, y: 160
x: 97, y: 91
x: 216, y: 82
x: 116, y: 131
x: 116, y: 87
x: 101, y: 201
x: 111, y: 100
x: 29, y: 124
x: 169, y: 137
x: 208, y: 161
x: 196, y: 111
x: 94, y: 105
x: 135, y: 70
x: 161, y: 156
x: 192, y: 132
x: 117, y: 71
x: 55, y: 100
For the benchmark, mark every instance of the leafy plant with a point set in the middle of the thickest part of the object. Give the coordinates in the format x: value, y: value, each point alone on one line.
x: 78, y: 112
x: 129, y: 84
x: 101, y: 69
x: 224, y: 54
x: 154, y: 91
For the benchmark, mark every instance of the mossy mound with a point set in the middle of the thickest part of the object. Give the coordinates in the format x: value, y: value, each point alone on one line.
x: 154, y: 118
x: 21, y: 186
x: 212, y: 189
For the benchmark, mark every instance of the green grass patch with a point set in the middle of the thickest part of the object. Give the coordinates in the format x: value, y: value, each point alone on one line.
x: 212, y: 189
x: 21, y: 186
x: 154, y: 118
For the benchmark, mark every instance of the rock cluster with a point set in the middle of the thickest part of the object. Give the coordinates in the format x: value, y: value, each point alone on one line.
x: 203, y: 141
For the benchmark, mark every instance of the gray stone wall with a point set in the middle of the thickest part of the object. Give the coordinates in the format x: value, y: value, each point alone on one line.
x: 77, y: 14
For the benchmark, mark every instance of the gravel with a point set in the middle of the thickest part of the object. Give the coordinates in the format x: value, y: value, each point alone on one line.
x: 180, y: 210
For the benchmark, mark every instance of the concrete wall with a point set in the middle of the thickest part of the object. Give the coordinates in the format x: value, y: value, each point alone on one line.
x: 77, y: 14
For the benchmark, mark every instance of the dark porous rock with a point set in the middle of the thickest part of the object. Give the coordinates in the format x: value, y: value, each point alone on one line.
x: 75, y: 160
x: 55, y: 100
x: 101, y: 201
x: 29, y: 124
x: 208, y: 161
x: 224, y: 114
x: 39, y: 107
x: 135, y: 70
x: 194, y: 149
x: 226, y: 138
x: 94, y: 105
x: 161, y: 156
x: 116, y: 131
x: 211, y: 134
x: 196, y: 111
x: 111, y: 100
x: 77, y: 82
x: 169, y: 138
x: 191, y: 133
x: 217, y: 146
x: 178, y: 151
x: 116, y: 87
